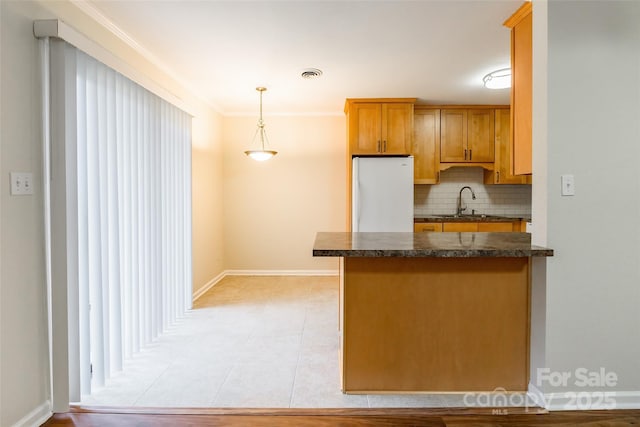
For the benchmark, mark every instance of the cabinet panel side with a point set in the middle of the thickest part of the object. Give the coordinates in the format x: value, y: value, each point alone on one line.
x: 522, y: 96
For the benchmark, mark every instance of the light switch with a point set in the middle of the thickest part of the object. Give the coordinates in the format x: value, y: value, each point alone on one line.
x: 568, y: 185
x: 21, y: 183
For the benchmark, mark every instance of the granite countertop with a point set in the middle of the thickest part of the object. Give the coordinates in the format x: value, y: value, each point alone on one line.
x: 451, y: 245
x: 468, y: 218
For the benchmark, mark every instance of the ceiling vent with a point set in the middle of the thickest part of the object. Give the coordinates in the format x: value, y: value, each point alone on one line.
x: 311, y: 73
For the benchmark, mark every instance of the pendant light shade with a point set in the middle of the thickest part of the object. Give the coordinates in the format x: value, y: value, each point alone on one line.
x: 261, y: 154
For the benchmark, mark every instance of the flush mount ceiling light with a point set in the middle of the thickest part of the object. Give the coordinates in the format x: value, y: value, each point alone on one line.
x: 261, y: 154
x: 499, y: 79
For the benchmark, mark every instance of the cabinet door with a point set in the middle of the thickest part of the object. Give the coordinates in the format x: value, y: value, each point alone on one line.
x: 453, y: 137
x: 521, y: 88
x: 495, y: 226
x: 427, y: 227
x: 365, y: 128
x: 460, y: 226
x: 397, y: 128
x: 480, y: 135
x: 426, y: 146
x: 502, y: 170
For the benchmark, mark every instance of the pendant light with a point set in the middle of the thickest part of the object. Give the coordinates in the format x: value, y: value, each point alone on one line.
x: 261, y: 154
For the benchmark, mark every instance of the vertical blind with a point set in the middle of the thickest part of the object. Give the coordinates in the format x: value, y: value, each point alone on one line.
x: 133, y: 191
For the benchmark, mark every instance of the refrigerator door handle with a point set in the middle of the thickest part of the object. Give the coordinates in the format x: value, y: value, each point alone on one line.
x: 359, y: 204
x: 355, y: 216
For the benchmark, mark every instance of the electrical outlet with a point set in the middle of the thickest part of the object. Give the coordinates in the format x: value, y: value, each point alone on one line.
x: 568, y: 185
x: 21, y: 183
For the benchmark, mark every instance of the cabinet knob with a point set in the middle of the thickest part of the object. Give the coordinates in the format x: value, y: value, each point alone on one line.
x: 465, y: 154
x: 384, y: 149
x: 470, y: 154
x: 378, y: 150
x: 497, y: 176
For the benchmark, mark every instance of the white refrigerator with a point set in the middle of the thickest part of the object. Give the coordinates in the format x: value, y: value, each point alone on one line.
x: 382, y: 194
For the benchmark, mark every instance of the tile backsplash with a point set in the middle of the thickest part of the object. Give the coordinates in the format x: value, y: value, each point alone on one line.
x: 508, y: 200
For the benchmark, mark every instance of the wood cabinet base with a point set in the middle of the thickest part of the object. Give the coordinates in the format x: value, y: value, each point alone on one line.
x: 434, y: 324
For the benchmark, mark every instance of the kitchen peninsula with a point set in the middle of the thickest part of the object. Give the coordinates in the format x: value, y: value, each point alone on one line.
x: 433, y: 312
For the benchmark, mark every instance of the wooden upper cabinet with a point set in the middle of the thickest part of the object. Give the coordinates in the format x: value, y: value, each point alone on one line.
x: 467, y: 136
x: 481, y: 135
x: 379, y: 126
x: 521, y: 87
x: 426, y: 146
x: 365, y: 128
x: 397, y: 128
x: 502, y: 167
x: 453, y: 139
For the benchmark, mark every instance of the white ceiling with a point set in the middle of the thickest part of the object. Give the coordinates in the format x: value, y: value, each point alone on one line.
x: 434, y: 50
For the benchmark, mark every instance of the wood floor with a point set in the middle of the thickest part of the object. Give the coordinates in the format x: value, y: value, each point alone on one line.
x: 452, y: 417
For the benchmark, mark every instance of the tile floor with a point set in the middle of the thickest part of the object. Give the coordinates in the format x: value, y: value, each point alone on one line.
x: 254, y: 341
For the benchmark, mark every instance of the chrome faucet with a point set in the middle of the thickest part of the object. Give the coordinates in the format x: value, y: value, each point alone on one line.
x: 460, y: 209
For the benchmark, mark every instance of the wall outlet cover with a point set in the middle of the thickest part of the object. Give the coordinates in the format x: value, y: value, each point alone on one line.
x: 21, y: 183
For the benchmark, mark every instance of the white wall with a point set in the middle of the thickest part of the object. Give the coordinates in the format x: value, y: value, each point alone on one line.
x: 593, y: 281
x: 206, y: 194
x: 273, y: 209
x: 23, y: 340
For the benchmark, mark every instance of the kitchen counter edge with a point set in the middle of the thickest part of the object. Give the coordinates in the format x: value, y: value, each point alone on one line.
x: 432, y: 245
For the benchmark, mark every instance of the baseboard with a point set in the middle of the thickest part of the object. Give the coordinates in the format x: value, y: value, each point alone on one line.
x: 627, y: 399
x: 282, y: 272
x: 211, y: 283
x: 36, y: 417
x: 582, y: 400
x: 293, y: 412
